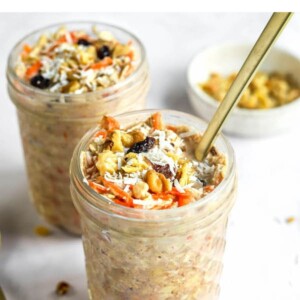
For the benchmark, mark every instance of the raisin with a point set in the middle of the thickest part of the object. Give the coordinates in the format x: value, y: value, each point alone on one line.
x: 40, y: 82
x: 165, y: 170
x: 62, y: 288
x: 213, y: 151
x: 103, y: 52
x: 142, y: 146
x: 83, y: 42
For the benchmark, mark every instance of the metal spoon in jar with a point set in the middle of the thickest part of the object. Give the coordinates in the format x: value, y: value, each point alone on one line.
x: 258, y: 53
x: 2, y: 297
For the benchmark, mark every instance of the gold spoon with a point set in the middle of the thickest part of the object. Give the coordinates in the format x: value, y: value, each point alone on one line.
x: 2, y: 297
x: 260, y: 50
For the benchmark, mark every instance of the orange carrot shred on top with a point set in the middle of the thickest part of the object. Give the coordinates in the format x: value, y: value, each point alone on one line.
x: 101, y: 133
x: 131, y: 55
x: 171, y: 127
x: 109, y: 123
x: 208, y: 188
x: 61, y: 40
x: 73, y: 37
x: 26, y: 50
x: 33, y: 70
x: 106, y: 61
x: 162, y: 196
x: 97, y: 187
x: 117, y: 191
x: 122, y: 203
x: 185, y: 199
x: 157, y: 121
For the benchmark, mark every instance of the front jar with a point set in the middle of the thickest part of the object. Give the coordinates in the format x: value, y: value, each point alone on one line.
x: 51, y: 124
x: 154, y: 255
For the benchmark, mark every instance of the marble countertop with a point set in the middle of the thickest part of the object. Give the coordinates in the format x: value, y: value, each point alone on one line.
x: 262, y: 253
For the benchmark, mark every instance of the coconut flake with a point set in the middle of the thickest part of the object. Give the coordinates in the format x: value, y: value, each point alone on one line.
x: 178, y: 186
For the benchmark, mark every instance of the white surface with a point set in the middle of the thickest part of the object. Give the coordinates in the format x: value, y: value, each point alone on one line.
x: 228, y: 58
x: 262, y: 250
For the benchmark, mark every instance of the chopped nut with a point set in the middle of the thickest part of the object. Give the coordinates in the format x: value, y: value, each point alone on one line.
x: 154, y: 181
x: 167, y: 185
x: 107, y: 162
x: 290, y: 220
x: 71, y: 87
x: 62, y: 288
x: 42, y: 230
x: 117, y: 142
x: 185, y: 170
x: 137, y: 135
x: 140, y: 190
x: 121, y: 50
x: 267, y: 90
x: 127, y: 139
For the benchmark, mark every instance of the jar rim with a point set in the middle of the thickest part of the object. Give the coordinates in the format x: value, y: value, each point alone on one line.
x: 10, y: 70
x: 135, y: 214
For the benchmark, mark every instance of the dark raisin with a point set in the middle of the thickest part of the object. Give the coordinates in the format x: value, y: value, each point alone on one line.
x: 213, y: 151
x: 163, y: 170
x: 62, y: 288
x: 83, y: 42
x: 40, y: 82
x: 103, y: 52
x: 142, y: 146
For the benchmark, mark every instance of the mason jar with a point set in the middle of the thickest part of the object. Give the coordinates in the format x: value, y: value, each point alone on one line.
x: 154, y: 254
x: 51, y: 124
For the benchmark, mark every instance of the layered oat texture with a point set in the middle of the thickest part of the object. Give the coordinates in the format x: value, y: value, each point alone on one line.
x: 51, y: 124
x: 134, y: 253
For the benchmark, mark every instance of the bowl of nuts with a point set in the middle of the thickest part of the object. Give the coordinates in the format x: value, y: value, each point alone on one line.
x: 269, y: 105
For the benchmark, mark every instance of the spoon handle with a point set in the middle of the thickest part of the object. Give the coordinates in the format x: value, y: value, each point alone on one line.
x: 260, y: 50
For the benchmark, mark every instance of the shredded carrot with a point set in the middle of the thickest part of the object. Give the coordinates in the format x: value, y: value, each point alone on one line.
x: 109, y: 123
x: 122, y: 203
x: 26, y: 50
x: 157, y: 121
x: 33, y: 70
x: 61, y: 40
x: 208, y: 188
x: 182, y: 198
x: 175, y: 192
x: 162, y: 196
x: 171, y: 127
x: 102, y: 133
x: 106, y: 61
x: 185, y: 198
x: 73, y: 37
x: 117, y: 191
x: 131, y: 55
x: 97, y: 187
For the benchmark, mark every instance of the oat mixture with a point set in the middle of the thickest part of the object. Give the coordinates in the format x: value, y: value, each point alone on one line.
x: 150, y: 165
x: 75, y: 61
x: 265, y: 91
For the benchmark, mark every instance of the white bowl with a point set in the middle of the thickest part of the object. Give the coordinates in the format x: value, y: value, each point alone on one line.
x: 226, y: 59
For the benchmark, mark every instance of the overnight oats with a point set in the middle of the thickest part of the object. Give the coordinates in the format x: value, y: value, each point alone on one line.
x: 153, y: 217
x: 62, y: 79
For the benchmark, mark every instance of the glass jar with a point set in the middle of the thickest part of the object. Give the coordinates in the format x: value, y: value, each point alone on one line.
x: 154, y: 254
x: 51, y: 124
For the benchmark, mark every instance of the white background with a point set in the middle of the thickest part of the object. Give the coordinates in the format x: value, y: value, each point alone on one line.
x: 261, y: 260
